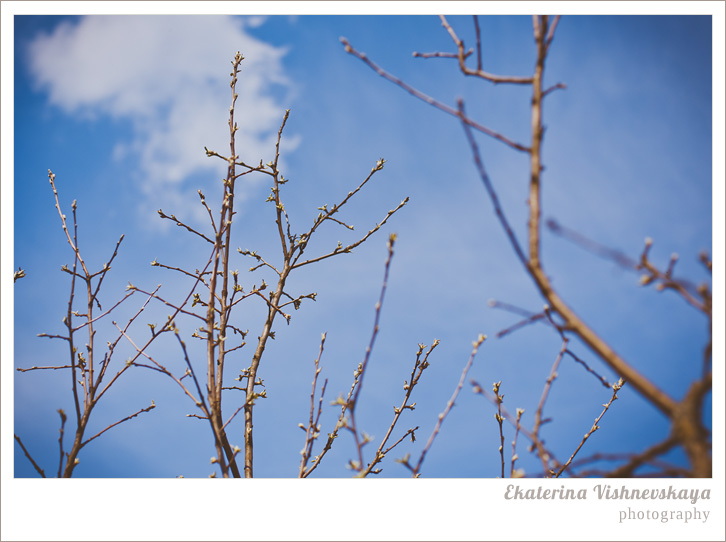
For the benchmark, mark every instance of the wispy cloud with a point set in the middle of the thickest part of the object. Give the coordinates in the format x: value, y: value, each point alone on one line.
x: 167, y: 76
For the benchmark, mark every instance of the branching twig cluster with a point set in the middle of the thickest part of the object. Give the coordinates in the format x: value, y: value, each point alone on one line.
x: 347, y: 417
x: 416, y: 469
x: 90, y: 366
x: 215, y: 291
x: 225, y: 291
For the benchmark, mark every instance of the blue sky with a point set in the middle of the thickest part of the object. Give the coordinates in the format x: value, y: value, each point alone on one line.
x: 120, y: 108
x: 128, y: 144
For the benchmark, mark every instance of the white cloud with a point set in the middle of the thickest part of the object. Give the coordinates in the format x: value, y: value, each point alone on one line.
x: 169, y: 77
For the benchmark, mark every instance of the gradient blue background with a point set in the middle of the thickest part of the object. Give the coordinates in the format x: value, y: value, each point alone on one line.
x: 627, y: 155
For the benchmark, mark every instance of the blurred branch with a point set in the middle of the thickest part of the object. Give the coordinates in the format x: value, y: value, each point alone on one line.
x: 683, y: 415
x: 490, y: 190
x: 479, y: 72
x: 628, y: 470
x: 663, y: 279
x: 27, y: 454
x: 429, y: 100
x: 538, y: 421
x: 441, y: 55
x: 534, y: 267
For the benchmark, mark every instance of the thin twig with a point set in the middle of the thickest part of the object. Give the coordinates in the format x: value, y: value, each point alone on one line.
x: 500, y: 420
x: 374, y: 334
x: 512, y: 472
x: 440, y: 55
x: 312, y: 430
x: 182, y: 225
x: 595, y: 426
x: 353, y: 402
x: 478, y: 43
x: 147, y: 409
x: 544, y: 457
x: 416, y: 471
x: 36, y: 368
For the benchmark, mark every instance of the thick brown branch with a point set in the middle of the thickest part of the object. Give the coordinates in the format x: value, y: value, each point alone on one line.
x: 638, y: 381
